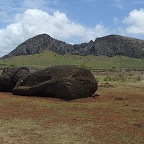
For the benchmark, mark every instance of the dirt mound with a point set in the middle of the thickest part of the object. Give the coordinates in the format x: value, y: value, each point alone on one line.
x: 66, y: 82
x: 10, y: 76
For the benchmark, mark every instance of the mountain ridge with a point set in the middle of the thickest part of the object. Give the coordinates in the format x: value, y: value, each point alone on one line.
x: 111, y: 45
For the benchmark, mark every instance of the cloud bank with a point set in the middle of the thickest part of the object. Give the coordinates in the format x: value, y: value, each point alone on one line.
x: 57, y: 25
x: 135, y: 22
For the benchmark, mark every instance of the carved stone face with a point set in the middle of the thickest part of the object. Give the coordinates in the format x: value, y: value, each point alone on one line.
x: 10, y: 76
x: 67, y: 82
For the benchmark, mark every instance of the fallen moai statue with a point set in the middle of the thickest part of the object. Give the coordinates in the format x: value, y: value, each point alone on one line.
x: 65, y: 82
x: 10, y: 76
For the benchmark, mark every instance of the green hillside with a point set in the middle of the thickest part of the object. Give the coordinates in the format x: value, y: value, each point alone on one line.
x: 49, y: 58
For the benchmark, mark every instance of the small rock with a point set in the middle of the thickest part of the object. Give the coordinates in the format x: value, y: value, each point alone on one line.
x: 119, y: 98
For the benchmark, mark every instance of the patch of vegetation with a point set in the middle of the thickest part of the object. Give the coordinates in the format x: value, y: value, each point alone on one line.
x: 49, y: 58
x: 124, y: 75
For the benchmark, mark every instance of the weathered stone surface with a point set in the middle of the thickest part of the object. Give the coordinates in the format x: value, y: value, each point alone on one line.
x: 65, y: 82
x: 10, y: 76
x: 111, y: 45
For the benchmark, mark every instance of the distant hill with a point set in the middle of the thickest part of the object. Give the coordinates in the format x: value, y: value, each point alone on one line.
x: 111, y: 45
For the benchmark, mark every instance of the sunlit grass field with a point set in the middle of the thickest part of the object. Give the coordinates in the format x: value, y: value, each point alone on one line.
x: 114, y: 116
x: 49, y: 58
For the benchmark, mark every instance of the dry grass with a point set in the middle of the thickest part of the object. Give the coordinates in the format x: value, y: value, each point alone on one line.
x: 100, y: 120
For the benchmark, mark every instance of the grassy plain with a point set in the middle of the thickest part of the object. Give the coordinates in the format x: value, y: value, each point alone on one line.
x: 49, y: 58
x: 114, y: 116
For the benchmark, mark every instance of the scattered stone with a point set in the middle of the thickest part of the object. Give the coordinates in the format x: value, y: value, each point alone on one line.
x: 95, y: 95
x: 119, y: 98
x: 138, y: 125
x: 106, y: 85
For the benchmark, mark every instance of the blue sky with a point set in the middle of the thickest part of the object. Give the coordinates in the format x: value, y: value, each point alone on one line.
x: 74, y: 21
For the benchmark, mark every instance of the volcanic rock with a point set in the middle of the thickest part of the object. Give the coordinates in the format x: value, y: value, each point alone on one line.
x: 111, y: 45
x: 65, y: 82
x: 10, y: 76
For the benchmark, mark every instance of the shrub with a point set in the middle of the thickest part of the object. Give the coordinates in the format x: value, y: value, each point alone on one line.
x: 138, y: 78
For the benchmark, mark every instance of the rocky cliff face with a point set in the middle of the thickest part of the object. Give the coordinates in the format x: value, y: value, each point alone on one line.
x: 111, y: 45
x: 118, y: 45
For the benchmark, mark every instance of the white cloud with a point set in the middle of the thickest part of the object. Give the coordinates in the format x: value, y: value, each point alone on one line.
x: 118, y: 3
x: 135, y: 22
x: 8, y: 8
x: 57, y: 25
x: 116, y: 20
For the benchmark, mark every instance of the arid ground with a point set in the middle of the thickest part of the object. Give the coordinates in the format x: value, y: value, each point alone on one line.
x: 114, y: 116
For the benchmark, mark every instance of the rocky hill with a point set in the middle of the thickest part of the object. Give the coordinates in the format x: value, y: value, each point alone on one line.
x: 111, y: 45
